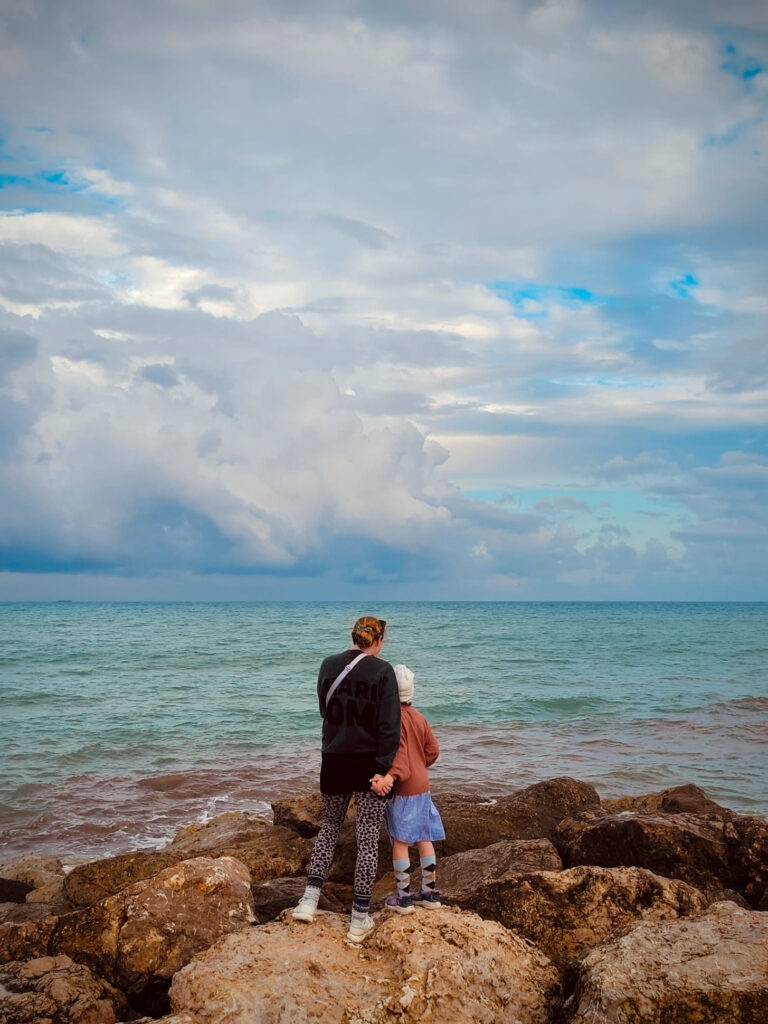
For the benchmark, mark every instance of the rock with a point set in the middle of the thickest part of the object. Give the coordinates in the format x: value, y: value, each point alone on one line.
x: 465, y: 871
x: 54, y: 990
x: 532, y: 813
x: 272, y: 897
x: 302, y: 814
x: 566, y: 912
x: 268, y: 851
x: 12, y: 891
x: 138, y: 938
x: 730, y: 895
x: 33, y: 869
x: 44, y: 875
x: 688, y: 799
x: 88, y: 883
x: 448, y: 966
x: 21, y: 913
x: 470, y: 821
x: 173, y: 1018
x: 712, y: 852
x: 711, y: 969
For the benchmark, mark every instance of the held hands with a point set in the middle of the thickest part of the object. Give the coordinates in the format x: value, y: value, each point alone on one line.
x: 382, y: 784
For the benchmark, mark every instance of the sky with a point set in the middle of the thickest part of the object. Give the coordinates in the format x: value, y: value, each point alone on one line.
x: 335, y: 299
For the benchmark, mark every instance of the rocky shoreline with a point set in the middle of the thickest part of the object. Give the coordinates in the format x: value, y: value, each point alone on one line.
x: 559, y: 908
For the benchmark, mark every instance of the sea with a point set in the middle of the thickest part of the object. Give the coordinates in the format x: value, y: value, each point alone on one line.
x: 122, y: 722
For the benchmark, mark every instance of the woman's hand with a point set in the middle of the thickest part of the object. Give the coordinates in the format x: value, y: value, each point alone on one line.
x: 382, y: 784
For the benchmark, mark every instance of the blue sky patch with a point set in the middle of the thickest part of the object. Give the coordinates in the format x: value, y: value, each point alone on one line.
x: 527, y: 298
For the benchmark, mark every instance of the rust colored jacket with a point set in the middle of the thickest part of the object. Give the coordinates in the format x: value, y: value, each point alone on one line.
x: 418, y: 749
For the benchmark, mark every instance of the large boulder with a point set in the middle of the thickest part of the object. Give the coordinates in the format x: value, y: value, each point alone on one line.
x: 450, y: 967
x: 711, y: 969
x: 710, y: 851
x: 54, y: 990
x: 464, y: 872
x: 267, y: 851
x: 88, y: 883
x: 687, y: 799
x: 567, y: 912
x: 531, y: 813
x: 138, y: 938
x: 470, y: 821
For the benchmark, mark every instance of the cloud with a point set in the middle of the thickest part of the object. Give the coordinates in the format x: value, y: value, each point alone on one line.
x: 293, y: 297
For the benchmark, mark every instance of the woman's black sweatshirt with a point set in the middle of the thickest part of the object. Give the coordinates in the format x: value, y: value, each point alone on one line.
x: 361, y: 724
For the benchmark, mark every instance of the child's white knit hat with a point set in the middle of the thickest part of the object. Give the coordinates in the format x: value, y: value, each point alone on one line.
x: 405, y: 685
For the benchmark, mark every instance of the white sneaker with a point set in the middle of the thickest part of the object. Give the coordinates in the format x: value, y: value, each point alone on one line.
x: 360, y: 932
x: 305, y: 911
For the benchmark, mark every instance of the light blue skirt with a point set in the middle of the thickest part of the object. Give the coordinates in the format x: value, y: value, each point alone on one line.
x: 414, y: 819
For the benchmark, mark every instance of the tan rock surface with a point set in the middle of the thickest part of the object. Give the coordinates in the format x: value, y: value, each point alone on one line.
x: 447, y: 966
x: 710, y: 969
x: 567, y: 912
x: 268, y: 851
x: 710, y: 851
x: 138, y: 938
x: 54, y: 990
x: 88, y: 883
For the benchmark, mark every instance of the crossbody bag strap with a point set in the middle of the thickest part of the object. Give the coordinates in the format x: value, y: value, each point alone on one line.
x: 342, y: 676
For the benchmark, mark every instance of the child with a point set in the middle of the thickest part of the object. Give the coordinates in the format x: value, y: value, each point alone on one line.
x: 411, y: 815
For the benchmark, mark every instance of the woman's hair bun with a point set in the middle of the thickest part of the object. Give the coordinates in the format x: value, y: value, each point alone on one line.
x: 367, y: 631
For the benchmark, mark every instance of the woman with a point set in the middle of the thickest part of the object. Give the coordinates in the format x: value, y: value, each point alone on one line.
x: 360, y: 707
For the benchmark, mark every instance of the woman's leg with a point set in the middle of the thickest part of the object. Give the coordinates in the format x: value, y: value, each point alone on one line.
x: 370, y: 814
x: 334, y: 812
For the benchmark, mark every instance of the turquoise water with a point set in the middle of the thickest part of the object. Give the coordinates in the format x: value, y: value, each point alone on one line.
x: 121, y: 722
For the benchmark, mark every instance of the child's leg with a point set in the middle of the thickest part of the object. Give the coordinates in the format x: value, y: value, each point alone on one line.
x: 401, y: 862
x: 428, y: 867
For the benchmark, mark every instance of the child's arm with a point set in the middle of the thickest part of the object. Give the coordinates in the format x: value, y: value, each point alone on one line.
x: 431, y: 748
x: 401, y: 767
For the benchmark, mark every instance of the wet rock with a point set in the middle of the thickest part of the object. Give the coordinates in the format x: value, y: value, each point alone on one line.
x: 88, y: 883
x: 711, y: 969
x: 12, y: 891
x: 532, y: 813
x: 138, y: 938
x: 54, y: 990
x: 567, y: 912
x: 712, y: 852
x: 464, y: 872
x: 449, y: 967
x: 687, y: 799
x: 268, y: 851
x: 272, y: 897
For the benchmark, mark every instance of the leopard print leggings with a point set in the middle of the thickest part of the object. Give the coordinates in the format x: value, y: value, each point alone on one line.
x: 370, y: 814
